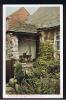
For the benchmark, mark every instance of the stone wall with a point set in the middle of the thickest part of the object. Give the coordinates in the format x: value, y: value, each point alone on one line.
x: 50, y: 35
x: 11, y: 47
x: 16, y: 46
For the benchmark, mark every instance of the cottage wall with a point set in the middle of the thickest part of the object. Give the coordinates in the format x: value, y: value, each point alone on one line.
x: 46, y: 35
x: 42, y: 37
x: 11, y: 47
x: 27, y: 45
x: 51, y: 35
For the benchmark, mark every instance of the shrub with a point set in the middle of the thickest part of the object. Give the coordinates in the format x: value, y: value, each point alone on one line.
x: 46, y: 68
x: 10, y: 90
x: 24, y: 88
x: 19, y: 74
x: 46, y: 51
x: 53, y: 66
x: 44, y: 77
x: 50, y: 86
x: 18, y: 89
x: 12, y: 82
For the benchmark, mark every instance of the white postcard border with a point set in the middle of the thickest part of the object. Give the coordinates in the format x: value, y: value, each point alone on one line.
x: 61, y: 53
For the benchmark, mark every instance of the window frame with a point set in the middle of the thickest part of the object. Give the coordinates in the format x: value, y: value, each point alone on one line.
x: 56, y: 40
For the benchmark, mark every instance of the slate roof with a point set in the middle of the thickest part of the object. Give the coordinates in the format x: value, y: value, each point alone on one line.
x: 17, y: 22
x: 43, y: 17
x: 22, y: 27
x: 46, y: 17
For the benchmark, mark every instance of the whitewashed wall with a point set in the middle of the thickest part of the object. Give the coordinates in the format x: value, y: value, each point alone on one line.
x: 11, y: 47
x: 28, y: 46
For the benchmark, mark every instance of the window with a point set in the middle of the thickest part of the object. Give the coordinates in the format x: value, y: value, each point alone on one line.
x: 57, y: 40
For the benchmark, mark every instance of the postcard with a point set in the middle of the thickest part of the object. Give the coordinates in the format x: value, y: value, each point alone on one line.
x: 33, y: 51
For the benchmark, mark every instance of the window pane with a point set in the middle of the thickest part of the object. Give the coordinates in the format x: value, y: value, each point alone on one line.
x: 58, y: 36
x: 58, y: 45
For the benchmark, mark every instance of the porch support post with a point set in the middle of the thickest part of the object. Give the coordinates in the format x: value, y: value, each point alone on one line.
x: 42, y: 37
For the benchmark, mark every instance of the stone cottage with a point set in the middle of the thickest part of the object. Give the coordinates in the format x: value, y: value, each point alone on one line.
x: 23, y: 37
x: 47, y: 19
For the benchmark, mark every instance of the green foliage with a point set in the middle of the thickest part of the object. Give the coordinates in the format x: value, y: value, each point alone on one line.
x: 19, y: 74
x: 44, y: 77
x: 46, y: 51
x: 18, y: 89
x: 12, y: 82
x: 46, y: 68
x: 10, y: 90
x: 46, y: 61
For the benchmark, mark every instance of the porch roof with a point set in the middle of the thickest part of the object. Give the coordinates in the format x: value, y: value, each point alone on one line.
x: 49, y: 28
x: 24, y: 33
x: 22, y: 27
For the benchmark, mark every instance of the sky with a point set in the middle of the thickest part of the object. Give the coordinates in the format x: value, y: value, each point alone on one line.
x: 10, y: 10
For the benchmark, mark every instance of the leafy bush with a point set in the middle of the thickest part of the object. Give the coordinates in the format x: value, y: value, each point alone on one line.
x: 46, y: 61
x: 18, y: 89
x: 44, y: 77
x: 46, y: 68
x: 46, y: 51
x: 19, y: 74
x: 12, y: 82
x: 10, y: 90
